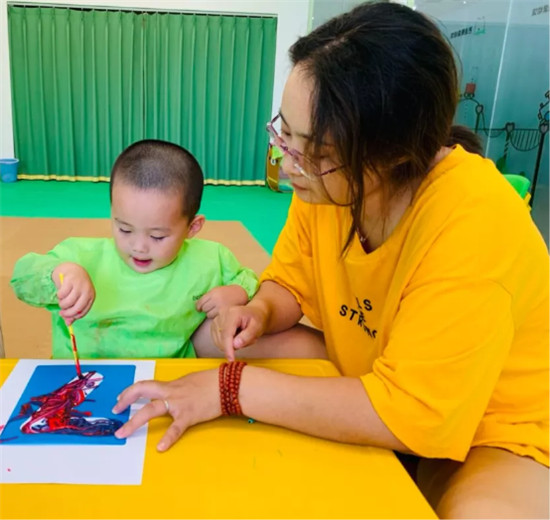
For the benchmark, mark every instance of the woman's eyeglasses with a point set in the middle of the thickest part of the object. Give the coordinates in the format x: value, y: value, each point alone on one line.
x: 302, y: 163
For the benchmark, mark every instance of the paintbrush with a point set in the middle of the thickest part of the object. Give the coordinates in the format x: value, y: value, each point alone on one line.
x: 73, y: 341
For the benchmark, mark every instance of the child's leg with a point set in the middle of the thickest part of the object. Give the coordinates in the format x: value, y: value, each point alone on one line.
x: 491, y: 483
x: 298, y: 342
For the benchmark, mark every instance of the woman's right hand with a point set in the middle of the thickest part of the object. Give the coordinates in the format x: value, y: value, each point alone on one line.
x: 238, y: 327
x: 76, y: 294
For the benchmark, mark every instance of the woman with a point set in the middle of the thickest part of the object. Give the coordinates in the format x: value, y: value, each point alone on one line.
x: 418, y: 262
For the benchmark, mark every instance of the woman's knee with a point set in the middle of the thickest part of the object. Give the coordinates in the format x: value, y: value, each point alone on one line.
x: 301, y: 341
x: 494, y: 483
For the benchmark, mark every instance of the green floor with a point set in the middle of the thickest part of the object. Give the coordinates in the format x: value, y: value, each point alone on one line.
x: 261, y: 210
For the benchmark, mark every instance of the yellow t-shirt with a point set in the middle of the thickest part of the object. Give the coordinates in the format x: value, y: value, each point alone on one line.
x: 446, y: 323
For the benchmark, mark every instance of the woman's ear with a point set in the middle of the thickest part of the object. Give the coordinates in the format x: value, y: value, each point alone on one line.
x: 195, y: 226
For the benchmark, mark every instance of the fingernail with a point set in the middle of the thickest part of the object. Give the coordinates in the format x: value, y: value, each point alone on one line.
x: 238, y: 343
x: 161, y: 446
x: 115, y: 409
x: 119, y: 434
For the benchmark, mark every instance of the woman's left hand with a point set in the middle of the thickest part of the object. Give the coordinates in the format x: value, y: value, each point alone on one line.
x: 190, y: 400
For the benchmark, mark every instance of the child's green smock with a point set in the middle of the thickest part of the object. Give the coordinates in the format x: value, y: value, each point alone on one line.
x: 134, y: 315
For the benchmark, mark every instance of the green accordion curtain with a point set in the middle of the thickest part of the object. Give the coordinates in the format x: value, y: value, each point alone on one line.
x: 86, y: 83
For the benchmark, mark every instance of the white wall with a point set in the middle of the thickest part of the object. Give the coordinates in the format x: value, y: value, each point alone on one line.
x: 492, y: 11
x: 324, y: 10
x: 292, y: 15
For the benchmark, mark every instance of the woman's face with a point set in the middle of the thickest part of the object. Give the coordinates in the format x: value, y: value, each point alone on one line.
x: 297, y: 134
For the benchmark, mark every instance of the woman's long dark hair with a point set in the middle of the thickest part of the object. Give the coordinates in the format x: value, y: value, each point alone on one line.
x: 385, y: 90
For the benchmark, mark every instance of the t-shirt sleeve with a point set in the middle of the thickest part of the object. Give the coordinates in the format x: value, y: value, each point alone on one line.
x: 448, y: 344
x: 292, y: 264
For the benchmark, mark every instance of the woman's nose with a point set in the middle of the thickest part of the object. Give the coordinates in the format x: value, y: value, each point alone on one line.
x: 289, y: 164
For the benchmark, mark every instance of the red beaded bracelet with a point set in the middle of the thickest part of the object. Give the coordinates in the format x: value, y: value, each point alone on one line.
x: 229, y: 383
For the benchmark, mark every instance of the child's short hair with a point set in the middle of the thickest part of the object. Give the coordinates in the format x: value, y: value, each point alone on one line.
x: 155, y: 164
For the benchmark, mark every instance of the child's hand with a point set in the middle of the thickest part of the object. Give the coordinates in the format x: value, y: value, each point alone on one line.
x: 224, y: 296
x: 77, y: 294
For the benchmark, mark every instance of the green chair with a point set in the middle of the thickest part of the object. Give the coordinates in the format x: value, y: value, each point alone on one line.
x: 521, y: 184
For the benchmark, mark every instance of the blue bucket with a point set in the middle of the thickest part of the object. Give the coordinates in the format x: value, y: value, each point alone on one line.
x: 8, y: 169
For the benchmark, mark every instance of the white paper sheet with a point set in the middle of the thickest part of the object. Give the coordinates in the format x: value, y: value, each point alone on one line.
x: 70, y: 464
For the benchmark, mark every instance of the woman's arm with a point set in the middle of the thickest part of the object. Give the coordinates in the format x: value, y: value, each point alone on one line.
x: 279, y: 305
x: 336, y: 408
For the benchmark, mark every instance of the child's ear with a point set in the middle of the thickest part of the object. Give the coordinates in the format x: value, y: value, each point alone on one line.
x: 195, y: 226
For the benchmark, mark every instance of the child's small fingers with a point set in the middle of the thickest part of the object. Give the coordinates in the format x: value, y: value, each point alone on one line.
x: 89, y: 304
x: 64, y: 291
x: 212, y: 313
x: 74, y: 309
x: 209, y: 306
x: 64, y: 305
x: 203, y: 303
x: 87, y: 308
x: 68, y: 314
x: 68, y: 301
x: 84, y: 311
x: 81, y: 303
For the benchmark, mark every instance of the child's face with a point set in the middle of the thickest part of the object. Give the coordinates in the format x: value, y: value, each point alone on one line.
x: 148, y: 226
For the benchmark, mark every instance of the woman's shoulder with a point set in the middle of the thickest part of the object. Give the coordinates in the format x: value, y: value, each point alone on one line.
x: 468, y: 184
x: 469, y: 209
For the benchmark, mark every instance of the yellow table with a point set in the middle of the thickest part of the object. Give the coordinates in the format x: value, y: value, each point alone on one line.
x: 229, y: 468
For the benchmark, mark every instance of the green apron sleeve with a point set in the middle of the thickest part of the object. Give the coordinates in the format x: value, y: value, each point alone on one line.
x: 32, y: 275
x: 233, y: 273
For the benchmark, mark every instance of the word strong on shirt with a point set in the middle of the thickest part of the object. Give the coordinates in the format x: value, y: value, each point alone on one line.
x: 357, y: 313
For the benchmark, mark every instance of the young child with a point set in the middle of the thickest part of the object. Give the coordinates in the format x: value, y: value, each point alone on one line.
x: 142, y: 293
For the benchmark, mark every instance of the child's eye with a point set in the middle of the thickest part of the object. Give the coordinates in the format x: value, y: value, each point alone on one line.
x: 125, y: 231
x: 158, y: 239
